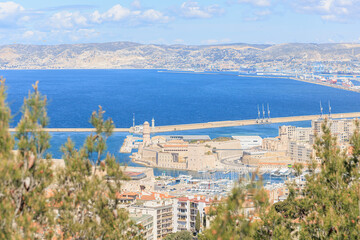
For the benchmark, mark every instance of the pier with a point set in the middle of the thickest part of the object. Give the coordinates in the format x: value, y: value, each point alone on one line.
x: 218, y: 124
x: 236, y: 123
x: 76, y: 130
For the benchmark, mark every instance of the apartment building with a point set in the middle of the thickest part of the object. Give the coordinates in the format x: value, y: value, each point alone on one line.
x: 147, y: 223
x: 300, y: 152
x: 186, y: 210
x: 342, y: 128
x: 162, y: 214
x: 292, y: 133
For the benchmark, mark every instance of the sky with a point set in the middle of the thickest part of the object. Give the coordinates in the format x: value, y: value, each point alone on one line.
x: 194, y: 22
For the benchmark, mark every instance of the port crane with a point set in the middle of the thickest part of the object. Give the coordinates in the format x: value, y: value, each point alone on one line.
x: 263, y: 118
x: 258, y: 118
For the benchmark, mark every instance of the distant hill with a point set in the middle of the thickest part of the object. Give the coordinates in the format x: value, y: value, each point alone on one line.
x: 122, y: 55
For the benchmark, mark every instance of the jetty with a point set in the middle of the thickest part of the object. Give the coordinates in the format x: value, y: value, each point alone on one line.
x: 236, y: 123
x: 76, y: 130
x: 218, y: 124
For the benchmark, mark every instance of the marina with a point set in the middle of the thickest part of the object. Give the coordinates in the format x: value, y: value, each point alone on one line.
x: 218, y: 183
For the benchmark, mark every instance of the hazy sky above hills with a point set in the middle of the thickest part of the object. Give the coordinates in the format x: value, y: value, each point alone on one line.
x: 179, y: 21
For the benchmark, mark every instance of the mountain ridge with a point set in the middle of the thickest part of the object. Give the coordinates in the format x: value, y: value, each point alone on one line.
x: 131, y: 55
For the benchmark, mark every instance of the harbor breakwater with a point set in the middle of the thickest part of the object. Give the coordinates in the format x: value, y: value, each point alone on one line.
x: 217, y: 124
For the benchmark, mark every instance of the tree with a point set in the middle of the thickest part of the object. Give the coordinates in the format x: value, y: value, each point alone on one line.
x: 96, y: 144
x: 197, y: 222
x: 327, y: 208
x: 230, y: 220
x: 26, y: 174
x: 182, y: 235
x: 7, y: 208
x: 73, y: 202
x: 92, y: 193
x: 332, y: 195
x: 6, y: 140
x: 298, y: 167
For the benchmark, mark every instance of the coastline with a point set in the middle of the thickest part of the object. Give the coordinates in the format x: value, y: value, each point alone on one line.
x: 326, y: 84
x: 303, y: 80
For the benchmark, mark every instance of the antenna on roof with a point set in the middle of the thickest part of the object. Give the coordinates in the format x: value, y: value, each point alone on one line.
x: 321, y: 110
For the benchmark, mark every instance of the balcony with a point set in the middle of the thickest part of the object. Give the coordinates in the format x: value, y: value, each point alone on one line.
x: 182, y: 212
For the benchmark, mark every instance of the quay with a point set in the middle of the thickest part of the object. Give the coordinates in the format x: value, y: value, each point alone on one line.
x: 76, y: 130
x: 218, y: 124
x: 236, y: 123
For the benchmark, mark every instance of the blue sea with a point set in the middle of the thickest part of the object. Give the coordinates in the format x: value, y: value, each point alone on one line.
x: 169, y: 98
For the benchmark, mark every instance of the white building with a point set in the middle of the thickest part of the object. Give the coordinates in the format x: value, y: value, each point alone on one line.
x: 292, y: 133
x: 300, y: 152
x: 146, y: 221
x: 342, y: 128
x: 162, y: 213
x: 186, y: 210
x: 249, y: 141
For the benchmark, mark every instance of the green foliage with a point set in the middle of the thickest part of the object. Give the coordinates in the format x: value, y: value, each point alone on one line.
x: 6, y: 140
x: 298, y: 167
x: 332, y: 195
x: 26, y: 174
x: 96, y: 144
x: 182, y: 235
x: 230, y: 220
x: 222, y: 139
x: 327, y: 208
x: 74, y: 202
x: 197, y: 222
x: 93, y: 194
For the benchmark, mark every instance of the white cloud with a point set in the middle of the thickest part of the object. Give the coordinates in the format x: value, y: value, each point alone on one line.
x: 24, y: 19
x: 116, y: 13
x: 67, y: 20
x: 12, y: 14
x: 179, y: 41
x: 152, y: 15
x: 28, y: 34
x: 95, y: 17
x: 216, y: 41
x: 330, y: 10
x: 83, y: 34
x: 263, y: 13
x: 10, y: 10
x: 119, y: 13
x: 136, y: 4
x: 259, y: 3
x: 191, y: 9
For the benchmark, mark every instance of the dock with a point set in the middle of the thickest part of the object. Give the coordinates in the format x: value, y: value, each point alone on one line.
x: 208, y: 125
x: 129, y: 144
x: 236, y: 123
x: 76, y: 130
